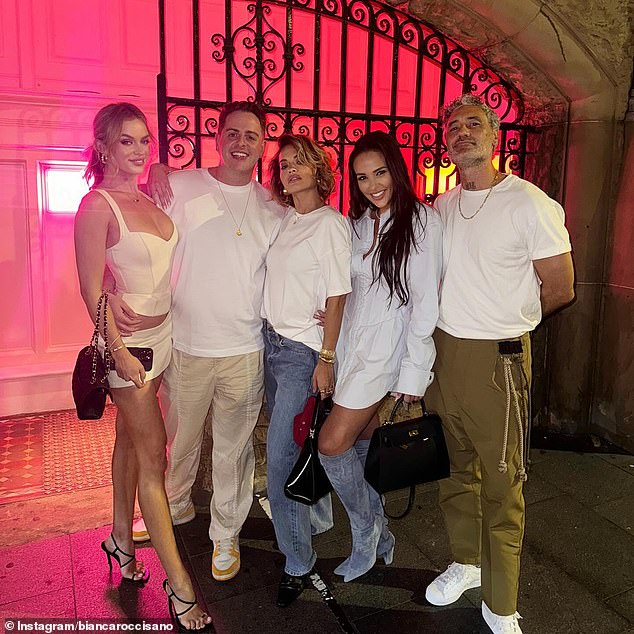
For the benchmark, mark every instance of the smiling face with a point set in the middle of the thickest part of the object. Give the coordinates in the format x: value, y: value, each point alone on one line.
x: 374, y: 179
x: 295, y: 176
x: 470, y: 138
x: 241, y: 142
x: 130, y: 152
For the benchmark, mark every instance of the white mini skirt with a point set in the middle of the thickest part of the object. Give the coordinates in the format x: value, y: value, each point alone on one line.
x: 159, y: 339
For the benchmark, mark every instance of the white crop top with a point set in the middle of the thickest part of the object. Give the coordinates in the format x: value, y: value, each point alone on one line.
x: 141, y: 264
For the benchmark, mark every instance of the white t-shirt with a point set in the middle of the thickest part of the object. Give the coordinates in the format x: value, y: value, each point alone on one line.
x: 308, y: 262
x: 218, y: 276
x: 490, y: 288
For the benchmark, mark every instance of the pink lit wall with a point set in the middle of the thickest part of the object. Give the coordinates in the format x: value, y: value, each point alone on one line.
x: 60, y: 60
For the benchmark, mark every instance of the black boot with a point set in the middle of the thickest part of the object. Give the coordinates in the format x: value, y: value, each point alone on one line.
x: 290, y: 588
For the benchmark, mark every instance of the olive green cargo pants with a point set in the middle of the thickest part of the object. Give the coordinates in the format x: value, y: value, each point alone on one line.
x: 483, y: 507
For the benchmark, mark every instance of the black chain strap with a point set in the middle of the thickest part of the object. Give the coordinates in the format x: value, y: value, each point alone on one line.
x: 102, y: 304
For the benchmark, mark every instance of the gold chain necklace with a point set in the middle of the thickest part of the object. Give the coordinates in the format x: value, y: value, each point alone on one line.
x: 244, y: 213
x: 483, y: 202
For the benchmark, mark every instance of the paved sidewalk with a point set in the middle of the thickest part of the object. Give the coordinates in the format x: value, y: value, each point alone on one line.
x: 577, y: 574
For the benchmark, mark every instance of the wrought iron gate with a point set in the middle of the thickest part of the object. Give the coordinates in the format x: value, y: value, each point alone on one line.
x: 333, y: 69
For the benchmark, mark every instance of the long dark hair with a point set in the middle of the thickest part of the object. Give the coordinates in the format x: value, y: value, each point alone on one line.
x: 391, y: 257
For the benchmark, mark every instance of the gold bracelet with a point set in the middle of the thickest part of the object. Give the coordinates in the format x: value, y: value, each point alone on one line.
x: 121, y: 347
x: 111, y: 342
x: 326, y: 354
x: 327, y: 360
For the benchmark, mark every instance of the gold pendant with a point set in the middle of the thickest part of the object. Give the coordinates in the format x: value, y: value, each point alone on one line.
x: 238, y: 232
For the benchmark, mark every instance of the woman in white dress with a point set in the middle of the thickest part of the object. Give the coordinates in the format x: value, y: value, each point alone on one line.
x: 386, y: 343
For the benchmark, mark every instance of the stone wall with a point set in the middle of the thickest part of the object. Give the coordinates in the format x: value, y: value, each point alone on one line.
x: 605, y: 27
x: 527, y: 41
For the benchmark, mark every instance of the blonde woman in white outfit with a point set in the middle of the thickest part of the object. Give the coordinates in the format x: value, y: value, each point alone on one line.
x: 386, y: 345
x: 117, y: 226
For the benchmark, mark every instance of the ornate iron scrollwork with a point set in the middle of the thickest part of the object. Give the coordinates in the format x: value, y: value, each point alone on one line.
x: 264, y: 54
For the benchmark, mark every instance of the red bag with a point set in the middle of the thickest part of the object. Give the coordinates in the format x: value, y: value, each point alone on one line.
x: 303, y: 420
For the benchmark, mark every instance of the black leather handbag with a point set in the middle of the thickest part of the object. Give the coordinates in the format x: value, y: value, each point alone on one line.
x: 308, y: 482
x: 406, y: 454
x: 90, y: 376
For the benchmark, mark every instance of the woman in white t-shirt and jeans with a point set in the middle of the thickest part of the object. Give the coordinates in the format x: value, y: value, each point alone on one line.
x: 308, y: 266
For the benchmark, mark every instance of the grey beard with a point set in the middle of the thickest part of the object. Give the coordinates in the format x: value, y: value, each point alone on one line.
x: 468, y: 163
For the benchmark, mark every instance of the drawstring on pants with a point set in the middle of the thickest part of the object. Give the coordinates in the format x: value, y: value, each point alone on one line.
x: 511, y: 393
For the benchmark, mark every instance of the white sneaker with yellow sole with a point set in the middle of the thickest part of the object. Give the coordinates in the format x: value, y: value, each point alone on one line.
x: 225, y: 561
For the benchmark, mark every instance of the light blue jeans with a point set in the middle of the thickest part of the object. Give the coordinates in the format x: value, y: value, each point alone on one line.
x: 288, y: 373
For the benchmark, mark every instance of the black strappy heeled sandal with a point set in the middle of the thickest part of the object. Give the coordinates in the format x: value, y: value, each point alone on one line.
x: 176, y: 615
x: 113, y: 554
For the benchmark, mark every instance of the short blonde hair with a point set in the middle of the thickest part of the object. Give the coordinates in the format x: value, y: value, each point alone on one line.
x: 308, y: 153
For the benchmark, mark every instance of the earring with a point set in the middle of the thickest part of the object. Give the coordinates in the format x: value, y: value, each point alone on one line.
x: 285, y: 191
x: 102, y: 158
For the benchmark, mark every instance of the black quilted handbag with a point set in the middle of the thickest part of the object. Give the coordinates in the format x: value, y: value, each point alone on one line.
x: 90, y: 376
x: 308, y: 482
x: 405, y: 454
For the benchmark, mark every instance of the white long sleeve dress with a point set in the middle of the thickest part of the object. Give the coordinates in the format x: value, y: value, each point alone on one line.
x: 385, y: 347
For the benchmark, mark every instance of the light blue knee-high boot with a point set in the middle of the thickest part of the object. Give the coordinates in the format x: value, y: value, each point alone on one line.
x: 385, y: 547
x: 346, y: 476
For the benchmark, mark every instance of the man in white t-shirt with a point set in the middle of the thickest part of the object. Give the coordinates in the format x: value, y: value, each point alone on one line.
x: 226, y: 223
x: 506, y: 264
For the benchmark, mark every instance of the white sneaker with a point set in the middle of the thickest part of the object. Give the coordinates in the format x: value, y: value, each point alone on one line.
x: 450, y: 585
x: 140, y: 532
x: 225, y: 561
x: 501, y: 624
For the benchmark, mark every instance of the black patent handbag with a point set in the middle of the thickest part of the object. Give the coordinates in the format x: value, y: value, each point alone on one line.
x: 405, y: 454
x: 90, y: 375
x: 308, y: 482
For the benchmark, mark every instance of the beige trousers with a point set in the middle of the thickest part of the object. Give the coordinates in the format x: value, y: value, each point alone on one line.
x: 231, y: 390
x: 483, y: 508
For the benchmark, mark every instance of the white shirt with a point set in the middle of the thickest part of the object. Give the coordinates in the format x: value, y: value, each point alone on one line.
x: 308, y: 262
x: 490, y: 288
x: 383, y: 346
x: 218, y: 276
